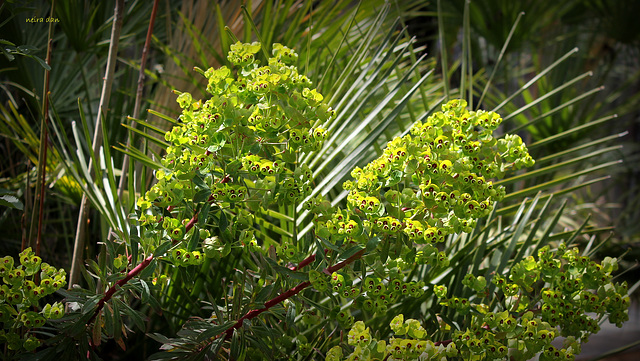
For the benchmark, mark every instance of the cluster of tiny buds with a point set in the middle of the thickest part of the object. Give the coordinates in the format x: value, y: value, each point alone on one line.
x: 530, y: 319
x: 238, y: 147
x: 409, y: 343
x: 182, y: 257
x: 535, y: 317
x: 428, y: 184
x: 371, y: 295
x: 20, y: 294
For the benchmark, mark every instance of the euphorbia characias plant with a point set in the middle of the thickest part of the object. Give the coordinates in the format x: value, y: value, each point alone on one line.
x: 24, y: 284
x: 233, y: 154
x: 241, y: 152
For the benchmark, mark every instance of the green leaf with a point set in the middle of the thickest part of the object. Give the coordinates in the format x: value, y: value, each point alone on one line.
x: 351, y: 251
x: 237, y: 346
x: 117, y: 320
x: 134, y: 240
x: 264, y: 294
x: 149, y: 270
x: 291, y: 313
x: 204, y: 214
x: 115, y: 277
x: 108, y: 319
x: 162, y: 339
x: 536, y: 78
x: 226, y: 250
x: 165, y: 117
x: 26, y: 49
x: 519, y: 229
x: 193, y: 241
x: 222, y: 221
x: 42, y: 63
x: 373, y: 243
x: 201, y: 196
x: 162, y: 249
x: 218, y: 141
x: 199, y: 181
x: 301, y: 276
x: 384, y: 252
x: 136, y: 316
x: 145, y: 293
x: 10, y: 201
x: 146, y: 135
x: 89, y: 306
x: 394, y: 178
x: 329, y: 245
x: 213, y: 331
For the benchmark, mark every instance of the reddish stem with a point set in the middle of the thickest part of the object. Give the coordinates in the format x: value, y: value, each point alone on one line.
x: 274, y: 301
x: 341, y: 265
x: 305, y: 262
x: 45, y: 140
x: 134, y: 272
x: 443, y: 343
x: 288, y: 294
x: 143, y: 61
x: 111, y: 291
x: 191, y: 222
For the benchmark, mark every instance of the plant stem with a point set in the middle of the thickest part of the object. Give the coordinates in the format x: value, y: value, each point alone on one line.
x: 304, y: 262
x: 25, y: 213
x: 272, y: 302
x: 83, y: 215
x: 443, y: 51
x: 134, y: 272
x: 191, y: 222
x: 44, y: 137
x: 444, y: 343
x: 111, y: 291
x: 136, y: 107
x: 44, y: 143
x: 288, y: 294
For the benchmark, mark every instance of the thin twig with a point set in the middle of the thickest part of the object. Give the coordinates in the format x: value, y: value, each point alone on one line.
x: 45, y: 114
x: 288, y: 294
x: 111, y: 291
x: 83, y: 216
x: 134, y: 272
x: 304, y: 263
x: 42, y: 154
x: 138, y: 102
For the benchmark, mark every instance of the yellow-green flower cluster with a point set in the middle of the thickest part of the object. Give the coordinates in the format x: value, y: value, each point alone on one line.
x: 410, y: 343
x: 182, y: 257
x: 432, y: 182
x: 241, y: 146
x: 445, y: 162
x: 341, y: 225
x: 577, y: 293
x: 21, y: 292
x: 372, y: 295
